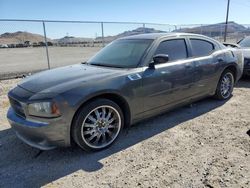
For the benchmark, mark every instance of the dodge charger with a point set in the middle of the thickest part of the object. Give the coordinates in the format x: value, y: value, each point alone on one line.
x: 130, y: 79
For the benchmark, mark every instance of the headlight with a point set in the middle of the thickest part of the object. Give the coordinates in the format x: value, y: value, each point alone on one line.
x: 43, y: 109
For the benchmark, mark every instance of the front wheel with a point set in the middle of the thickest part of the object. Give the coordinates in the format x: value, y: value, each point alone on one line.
x: 225, y: 86
x: 97, y: 125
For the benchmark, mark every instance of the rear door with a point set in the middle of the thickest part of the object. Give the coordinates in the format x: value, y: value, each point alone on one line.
x: 206, y: 64
x: 170, y: 82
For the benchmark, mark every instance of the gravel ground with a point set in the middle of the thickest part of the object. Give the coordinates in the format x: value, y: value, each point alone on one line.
x: 202, y: 145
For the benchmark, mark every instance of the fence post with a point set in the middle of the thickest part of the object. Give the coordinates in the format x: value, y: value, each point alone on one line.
x: 46, y: 44
x: 221, y: 33
x: 143, y: 25
x: 102, y: 34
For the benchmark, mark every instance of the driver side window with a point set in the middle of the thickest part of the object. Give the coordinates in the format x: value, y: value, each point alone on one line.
x: 176, y: 49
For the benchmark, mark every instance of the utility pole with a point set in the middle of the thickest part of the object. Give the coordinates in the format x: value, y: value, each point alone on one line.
x: 225, y: 34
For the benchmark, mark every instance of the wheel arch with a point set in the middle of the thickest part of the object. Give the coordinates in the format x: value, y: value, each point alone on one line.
x: 233, y: 69
x: 115, y: 97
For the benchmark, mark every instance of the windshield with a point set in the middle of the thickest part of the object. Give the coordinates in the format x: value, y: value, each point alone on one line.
x: 245, y: 42
x: 123, y: 53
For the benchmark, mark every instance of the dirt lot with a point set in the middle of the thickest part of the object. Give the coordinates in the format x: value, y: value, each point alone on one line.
x: 24, y: 60
x: 203, y: 145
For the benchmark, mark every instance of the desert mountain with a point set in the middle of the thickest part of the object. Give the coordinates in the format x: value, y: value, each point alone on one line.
x: 20, y: 37
x: 215, y: 29
x: 137, y: 31
x: 71, y: 39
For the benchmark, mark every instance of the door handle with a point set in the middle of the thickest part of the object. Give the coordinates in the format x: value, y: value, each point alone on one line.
x: 220, y: 59
x: 188, y: 66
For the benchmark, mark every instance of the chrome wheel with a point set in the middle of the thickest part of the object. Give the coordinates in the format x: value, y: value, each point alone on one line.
x: 226, y: 86
x: 101, y: 127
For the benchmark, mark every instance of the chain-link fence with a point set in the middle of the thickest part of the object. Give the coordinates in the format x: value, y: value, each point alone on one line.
x: 235, y: 31
x: 33, y: 45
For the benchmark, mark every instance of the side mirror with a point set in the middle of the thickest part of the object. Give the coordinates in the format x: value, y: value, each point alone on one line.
x: 159, y: 59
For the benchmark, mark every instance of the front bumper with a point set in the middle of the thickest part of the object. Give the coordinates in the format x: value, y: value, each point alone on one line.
x: 44, y: 135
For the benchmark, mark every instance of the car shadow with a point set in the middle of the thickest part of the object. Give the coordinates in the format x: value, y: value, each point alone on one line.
x: 27, y: 167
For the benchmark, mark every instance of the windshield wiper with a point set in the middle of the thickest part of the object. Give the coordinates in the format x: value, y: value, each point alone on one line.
x: 105, y: 65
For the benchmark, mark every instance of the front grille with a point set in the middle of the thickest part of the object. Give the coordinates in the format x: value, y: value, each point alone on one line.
x: 17, y: 107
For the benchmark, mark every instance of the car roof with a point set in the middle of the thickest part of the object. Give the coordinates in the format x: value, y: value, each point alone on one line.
x: 159, y: 35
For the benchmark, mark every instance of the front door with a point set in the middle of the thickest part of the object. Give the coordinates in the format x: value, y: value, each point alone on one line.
x: 171, y: 82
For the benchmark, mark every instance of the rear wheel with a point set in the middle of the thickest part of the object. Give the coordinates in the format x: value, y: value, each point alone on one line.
x: 225, y: 86
x: 97, y: 125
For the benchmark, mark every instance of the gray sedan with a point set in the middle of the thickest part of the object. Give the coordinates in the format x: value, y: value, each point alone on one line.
x: 131, y: 79
x: 244, y: 46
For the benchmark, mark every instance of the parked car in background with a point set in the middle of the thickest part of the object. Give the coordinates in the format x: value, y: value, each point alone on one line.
x: 244, y: 46
x: 3, y: 46
x: 131, y: 79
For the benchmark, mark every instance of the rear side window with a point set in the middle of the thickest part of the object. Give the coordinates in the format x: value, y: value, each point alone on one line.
x: 201, y: 47
x: 175, y: 49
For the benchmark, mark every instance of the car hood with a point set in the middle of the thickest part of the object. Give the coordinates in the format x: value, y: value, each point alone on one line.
x: 65, y: 78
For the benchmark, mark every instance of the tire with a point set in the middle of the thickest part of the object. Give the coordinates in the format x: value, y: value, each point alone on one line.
x: 97, y: 125
x: 225, y: 85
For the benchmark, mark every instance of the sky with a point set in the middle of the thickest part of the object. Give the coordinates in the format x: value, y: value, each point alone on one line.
x: 176, y: 12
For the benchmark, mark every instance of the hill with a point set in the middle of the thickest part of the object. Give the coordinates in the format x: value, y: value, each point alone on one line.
x: 71, y: 39
x: 139, y: 30
x: 20, y: 37
x: 215, y: 29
